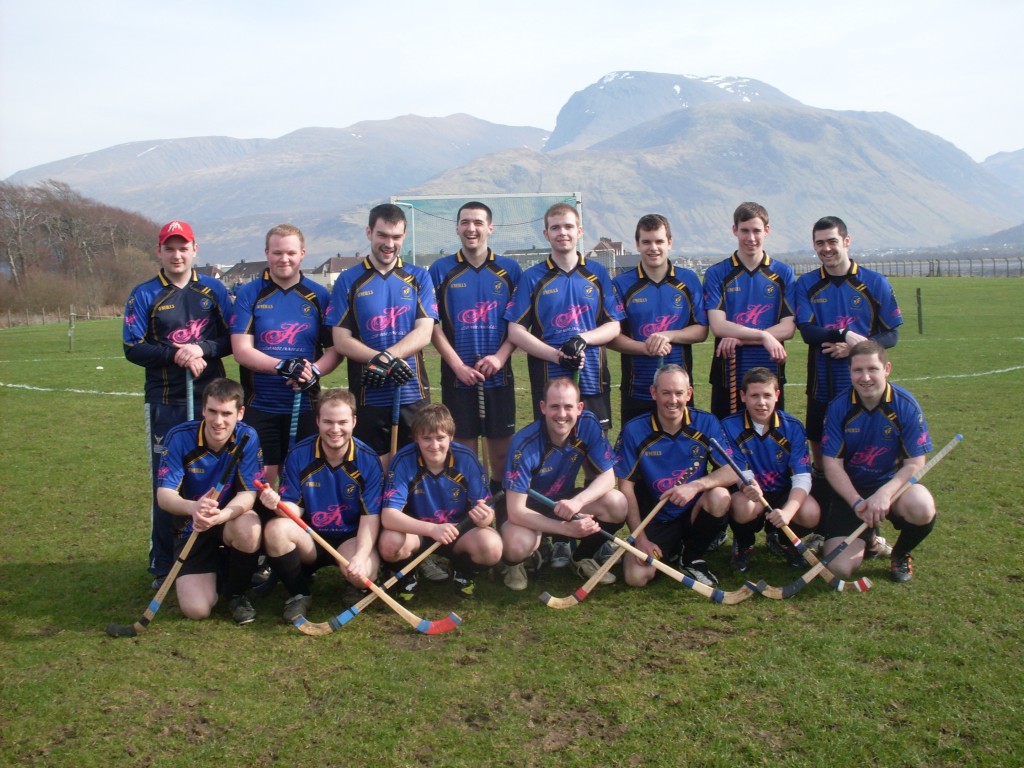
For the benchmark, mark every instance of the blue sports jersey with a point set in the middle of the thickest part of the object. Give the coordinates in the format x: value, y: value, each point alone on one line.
x: 284, y: 323
x: 534, y: 462
x: 756, y: 299
x: 158, y: 314
x: 443, y: 498
x: 555, y: 306
x: 872, y: 443
x: 188, y: 467
x: 655, y: 307
x: 861, y: 300
x: 471, y: 306
x: 654, y: 460
x: 773, y: 457
x: 333, y: 499
x: 380, y: 310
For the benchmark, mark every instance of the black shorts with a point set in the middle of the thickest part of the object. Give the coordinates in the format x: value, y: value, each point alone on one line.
x: 373, y: 425
x: 499, y: 411
x: 274, y: 431
x: 669, y: 536
x: 323, y: 557
x: 815, y: 421
x: 839, y: 520
x: 207, y: 554
x: 599, y: 405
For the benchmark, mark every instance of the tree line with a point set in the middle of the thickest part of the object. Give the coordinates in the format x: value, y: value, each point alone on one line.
x: 59, y: 248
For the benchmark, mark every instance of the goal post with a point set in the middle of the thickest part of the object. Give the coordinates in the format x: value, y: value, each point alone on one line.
x: 518, y: 221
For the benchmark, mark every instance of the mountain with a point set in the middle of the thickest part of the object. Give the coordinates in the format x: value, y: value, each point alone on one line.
x: 893, y: 184
x: 634, y: 142
x: 233, y: 190
x: 1008, y: 167
x: 622, y: 100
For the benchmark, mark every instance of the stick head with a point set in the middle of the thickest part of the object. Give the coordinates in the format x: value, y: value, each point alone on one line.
x: 122, y: 630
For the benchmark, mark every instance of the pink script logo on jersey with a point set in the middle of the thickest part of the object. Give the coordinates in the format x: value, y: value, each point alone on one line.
x: 389, y: 319
x: 565, y: 319
x: 663, y: 484
x: 843, y: 321
x: 332, y: 517
x: 191, y: 332
x: 444, y: 515
x: 477, y: 314
x: 286, y: 334
x: 770, y: 479
x: 752, y: 316
x: 660, y: 325
x: 868, y: 456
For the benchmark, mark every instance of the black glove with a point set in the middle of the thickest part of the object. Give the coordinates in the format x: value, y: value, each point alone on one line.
x: 376, y: 372
x: 291, y: 368
x: 314, y: 379
x: 400, y: 372
x: 574, y: 350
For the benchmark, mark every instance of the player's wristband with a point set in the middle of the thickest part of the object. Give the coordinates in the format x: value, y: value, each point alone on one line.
x: 857, y: 503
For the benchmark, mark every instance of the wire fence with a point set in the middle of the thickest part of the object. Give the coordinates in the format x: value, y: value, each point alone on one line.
x: 58, y: 314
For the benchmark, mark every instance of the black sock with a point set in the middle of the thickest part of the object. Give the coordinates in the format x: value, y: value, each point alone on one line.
x: 703, y: 530
x: 241, y: 567
x: 464, y: 564
x: 589, y: 545
x: 291, y: 573
x: 910, y: 537
x: 744, y: 533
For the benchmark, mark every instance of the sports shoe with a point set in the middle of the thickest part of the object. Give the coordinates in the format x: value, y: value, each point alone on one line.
x: 719, y: 540
x: 157, y: 583
x: 431, y: 570
x: 561, y: 553
x: 784, y: 548
x: 901, y: 568
x: 262, y: 572
x: 879, y: 548
x: 604, y: 552
x: 776, y: 543
x: 295, y: 606
x: 815, y: 543
x: 515, y: 577
x: 464, y: 584
x: 588, y: 566
x: 740, y: 560
x: 544, y: 551
x: 407, y: 589
x: 698, y: 571
x: 241, y: 610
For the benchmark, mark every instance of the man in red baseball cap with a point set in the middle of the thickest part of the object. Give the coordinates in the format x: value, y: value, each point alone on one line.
x: 176, y: 327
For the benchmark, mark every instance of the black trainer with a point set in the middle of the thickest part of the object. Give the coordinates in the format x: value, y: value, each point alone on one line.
x: 901, y: 568
x: 740, y: 557
x: 407, y: 589
x: 698, y: 571
x: 465, y: 584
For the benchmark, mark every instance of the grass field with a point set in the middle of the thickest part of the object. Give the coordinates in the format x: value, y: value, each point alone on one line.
x: 923, y: 674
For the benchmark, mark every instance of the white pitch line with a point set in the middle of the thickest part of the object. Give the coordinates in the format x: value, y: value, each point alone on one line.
x: 71, y: 391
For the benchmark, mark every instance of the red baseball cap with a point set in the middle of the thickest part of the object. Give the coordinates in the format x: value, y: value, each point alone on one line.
x: 176, y: 229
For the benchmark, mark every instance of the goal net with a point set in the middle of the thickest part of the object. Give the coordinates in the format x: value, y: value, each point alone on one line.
x: 518, y: 221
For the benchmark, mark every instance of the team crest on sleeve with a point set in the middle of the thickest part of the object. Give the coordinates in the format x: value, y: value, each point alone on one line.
x: 205, y: 303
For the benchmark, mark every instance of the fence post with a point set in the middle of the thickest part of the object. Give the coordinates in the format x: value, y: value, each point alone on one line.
x: 920, y: 316
x: 71, y: 328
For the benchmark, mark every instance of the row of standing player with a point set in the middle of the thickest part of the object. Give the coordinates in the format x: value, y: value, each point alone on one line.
x: 561, y: 312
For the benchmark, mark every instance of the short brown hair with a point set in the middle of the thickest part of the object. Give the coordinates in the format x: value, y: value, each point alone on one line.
x: 224, y: 390
x: 560, y: 209
x: 563, y: 382
x: 336, y: 395
x: 759, y: 375
x: 433, y: 417
x: 869, y: 347
x: 748, y: 211
x: 652, y: 222
x: 285, y: 230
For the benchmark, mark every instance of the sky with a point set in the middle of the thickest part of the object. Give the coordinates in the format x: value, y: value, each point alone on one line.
x: 80, y: 77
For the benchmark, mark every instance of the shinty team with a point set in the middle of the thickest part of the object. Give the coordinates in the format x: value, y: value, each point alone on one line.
x: 381, y: 472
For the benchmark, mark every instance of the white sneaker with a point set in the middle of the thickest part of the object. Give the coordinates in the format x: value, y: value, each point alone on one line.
x: 588, y: 567
x: 431, y: 570
x: 879, y: 548
x: 561, y: 553
x: 515, y: 577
